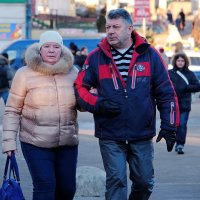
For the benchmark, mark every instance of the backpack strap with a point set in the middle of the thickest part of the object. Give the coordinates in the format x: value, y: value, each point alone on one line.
x: 183, y: 77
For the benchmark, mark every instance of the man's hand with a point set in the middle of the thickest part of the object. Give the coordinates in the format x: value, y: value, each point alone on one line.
x: 169, y: 136
x: 108, y: 108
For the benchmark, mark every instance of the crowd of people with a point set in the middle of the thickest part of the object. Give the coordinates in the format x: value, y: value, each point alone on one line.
x: 121, y: 83
x: 179, y: 21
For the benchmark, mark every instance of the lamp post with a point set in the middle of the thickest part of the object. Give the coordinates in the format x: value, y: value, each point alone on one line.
x: 28, y: 19
x: 53, y: 17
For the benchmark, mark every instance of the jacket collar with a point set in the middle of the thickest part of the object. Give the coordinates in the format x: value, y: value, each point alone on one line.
x: 140, y: 43
x: 34, y: 61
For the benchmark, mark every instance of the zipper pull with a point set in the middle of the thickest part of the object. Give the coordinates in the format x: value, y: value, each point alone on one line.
x: 133, y: 77
x: 113, y: 77
x: 172, y: 113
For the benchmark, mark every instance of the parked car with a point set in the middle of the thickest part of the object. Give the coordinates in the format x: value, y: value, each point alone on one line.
x: 16, y: 50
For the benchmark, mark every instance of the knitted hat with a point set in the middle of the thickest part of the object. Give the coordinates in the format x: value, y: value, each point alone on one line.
x: 50, y: 36
x: 161, y: 50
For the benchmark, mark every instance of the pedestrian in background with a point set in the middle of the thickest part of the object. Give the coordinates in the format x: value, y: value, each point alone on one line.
x: 185, y: 83
x: 6, y: 77
x: 182, y: 17
x: 164, y: 56
x: 196, y: 29
x: 130, y: 79
x: 101, y: 21
x: 170, y: 17
x: 177, y: 47
x: 178, y: 23
x: 80, y: 57
x: 73, y: 47
x: 42, y: 107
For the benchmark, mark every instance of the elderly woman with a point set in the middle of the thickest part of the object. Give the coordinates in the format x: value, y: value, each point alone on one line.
x: 42, y: 107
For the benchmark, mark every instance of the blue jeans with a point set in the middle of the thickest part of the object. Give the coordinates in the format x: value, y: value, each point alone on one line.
x: 182, y: 129
x: 4, y: 96
x: 139, y: 156
x: 53, y: 171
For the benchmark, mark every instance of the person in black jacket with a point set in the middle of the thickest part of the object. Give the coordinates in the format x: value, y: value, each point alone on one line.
x: 170, y: 17
x: 130, y: 79
x: 182, y: 16
x: 185, y: 83
x: 101, y: 21
x: 5, y: 77
x: 80, y: 57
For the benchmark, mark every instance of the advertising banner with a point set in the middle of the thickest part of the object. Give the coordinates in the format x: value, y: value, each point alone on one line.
x: 141, y: 11
x: 10, y: 31
x: 12, y: 1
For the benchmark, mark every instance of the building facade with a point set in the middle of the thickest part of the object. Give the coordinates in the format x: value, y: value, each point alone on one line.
x: 12, y: 19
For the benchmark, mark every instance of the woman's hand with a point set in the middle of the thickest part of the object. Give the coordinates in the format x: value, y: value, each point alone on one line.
x: 10, y: 152
x: 93, y: 91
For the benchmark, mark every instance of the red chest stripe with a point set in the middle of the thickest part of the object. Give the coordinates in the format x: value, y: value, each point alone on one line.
x: 142, y: 69
x: 104, y: 72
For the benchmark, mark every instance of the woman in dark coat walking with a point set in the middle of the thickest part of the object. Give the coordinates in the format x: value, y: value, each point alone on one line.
x: 185, y: 83
x: 6, y: 76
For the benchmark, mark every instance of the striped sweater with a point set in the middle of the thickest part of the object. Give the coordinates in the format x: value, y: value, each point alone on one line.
x: 122, y: 60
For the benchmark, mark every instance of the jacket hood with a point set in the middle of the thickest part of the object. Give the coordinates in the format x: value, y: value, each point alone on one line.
x: 34, y: 61
x: 140, y: 43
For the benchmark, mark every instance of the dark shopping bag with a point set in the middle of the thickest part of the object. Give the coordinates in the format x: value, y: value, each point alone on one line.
x: 10, y: 189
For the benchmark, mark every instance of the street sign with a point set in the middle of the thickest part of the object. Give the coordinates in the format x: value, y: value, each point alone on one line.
x: 141, y: 12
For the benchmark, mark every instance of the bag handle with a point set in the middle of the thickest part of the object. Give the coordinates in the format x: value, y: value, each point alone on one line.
x: 11, y: 164
x: 6, y: 168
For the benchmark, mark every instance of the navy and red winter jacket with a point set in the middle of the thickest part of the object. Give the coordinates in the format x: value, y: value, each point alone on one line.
x: 147, y: 85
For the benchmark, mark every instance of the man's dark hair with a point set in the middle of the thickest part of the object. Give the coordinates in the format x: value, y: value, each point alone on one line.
x: 120, y: 13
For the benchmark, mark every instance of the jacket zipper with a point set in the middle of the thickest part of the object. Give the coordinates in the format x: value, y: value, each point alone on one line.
x: 113, y: 77
x: 172, y: 113
x: 58, y: 108
x: 133, y: 77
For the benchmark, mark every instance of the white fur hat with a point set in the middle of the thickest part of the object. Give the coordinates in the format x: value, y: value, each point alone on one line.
x: 50, y: 36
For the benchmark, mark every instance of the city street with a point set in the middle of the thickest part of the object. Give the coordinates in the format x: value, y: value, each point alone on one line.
x: 165, y: 26
x: 177, y: 176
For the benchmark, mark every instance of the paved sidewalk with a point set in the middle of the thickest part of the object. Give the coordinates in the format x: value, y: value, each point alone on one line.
x: 177, y: 176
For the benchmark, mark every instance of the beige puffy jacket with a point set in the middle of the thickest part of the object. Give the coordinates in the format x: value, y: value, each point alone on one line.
x: 41, y: 103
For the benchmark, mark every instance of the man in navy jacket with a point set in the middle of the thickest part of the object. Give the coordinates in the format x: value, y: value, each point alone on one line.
x: 130, y: 79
